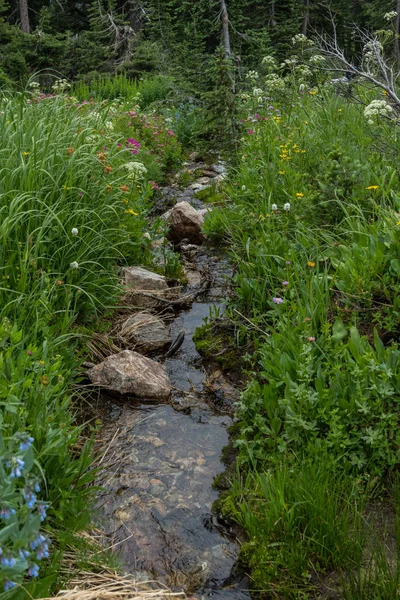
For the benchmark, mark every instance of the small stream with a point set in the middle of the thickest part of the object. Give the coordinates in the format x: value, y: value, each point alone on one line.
x: 160, y: 461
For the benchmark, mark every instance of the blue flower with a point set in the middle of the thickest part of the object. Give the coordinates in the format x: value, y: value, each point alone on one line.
x: 42, y: 508
x: 6, y: 513
x: 26, y: 443
x: 29, y: 497
x: 37, y: 487
x: 23, y: 554
x: 40, y: 539
x: 8, y: 584
x: 33, y: 570
x: 8, y: 562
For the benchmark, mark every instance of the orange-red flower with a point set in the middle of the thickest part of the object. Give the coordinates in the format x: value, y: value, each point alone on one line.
x: 108, y: 169
x: 70, y: 150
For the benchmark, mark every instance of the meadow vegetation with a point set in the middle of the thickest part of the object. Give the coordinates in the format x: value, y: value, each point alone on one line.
x: 76, y: 183
x: 312, y: 223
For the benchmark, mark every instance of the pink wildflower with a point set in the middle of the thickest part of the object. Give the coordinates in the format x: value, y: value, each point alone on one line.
x: 250, y: 131
x: 277, y: 300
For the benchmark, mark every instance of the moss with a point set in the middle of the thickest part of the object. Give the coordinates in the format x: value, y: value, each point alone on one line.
x: 214, y: 342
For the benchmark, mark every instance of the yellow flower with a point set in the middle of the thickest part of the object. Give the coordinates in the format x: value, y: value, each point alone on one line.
x: 281, y: 172
x: 311, y: 263
x: 372, y: 187
x: 300, y: 195
x: 312, y: 92
x: 132, y: 212
x: 25, y: 154
x: 306, y: 122
x: 45, y: 380
x: 398, y: 223
x: 340, y: 109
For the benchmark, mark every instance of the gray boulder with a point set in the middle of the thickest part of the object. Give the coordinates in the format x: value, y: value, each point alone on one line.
x: 184, y: 223
x: 146, y: 332
x: 130, y: 373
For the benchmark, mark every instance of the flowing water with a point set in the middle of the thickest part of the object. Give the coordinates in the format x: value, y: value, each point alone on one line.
x: 160, y: 461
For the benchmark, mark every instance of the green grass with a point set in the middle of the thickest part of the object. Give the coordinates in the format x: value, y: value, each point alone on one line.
x: 318, y: 419
x: 70, y: 213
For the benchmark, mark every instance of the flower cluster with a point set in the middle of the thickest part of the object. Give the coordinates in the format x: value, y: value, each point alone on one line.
x: 389, y: 16
x: 377, y: 108
x: 21, y: 512
x: 301, y: 40
x: 136, y: 170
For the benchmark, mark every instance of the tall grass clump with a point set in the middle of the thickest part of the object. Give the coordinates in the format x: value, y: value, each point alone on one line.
x: 75, y: 194
x: 313, y: 229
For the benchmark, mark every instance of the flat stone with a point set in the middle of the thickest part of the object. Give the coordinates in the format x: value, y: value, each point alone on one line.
x: 219, y: 168
x: 184, y: 223
x: 146, y: 332
x: 208, y: 173
x: 130, y: 373
x: 142, y: 280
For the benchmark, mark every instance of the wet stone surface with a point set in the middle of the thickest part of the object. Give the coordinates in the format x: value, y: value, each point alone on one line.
x: 160, y: 461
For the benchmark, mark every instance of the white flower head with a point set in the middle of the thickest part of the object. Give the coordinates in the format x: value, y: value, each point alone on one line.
x: 390, y: 15
x: 74, y: 265
x: 286, y: 206
x: 274, y: 207
x: 243, y: 188
x: 147, y: 236
x: 378, y: 108
x: 74, y: 231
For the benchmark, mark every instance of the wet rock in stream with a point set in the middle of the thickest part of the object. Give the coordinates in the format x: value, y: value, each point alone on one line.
x: 146, y: 332
x: 130, y: 373
x: 184, y: 223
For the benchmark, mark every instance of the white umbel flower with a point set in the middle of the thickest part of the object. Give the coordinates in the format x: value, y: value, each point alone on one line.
x: 286, y: 206
x: 74, y: 265
x: 274, y: 207
x: 243, y: 188
x: 74, y: 231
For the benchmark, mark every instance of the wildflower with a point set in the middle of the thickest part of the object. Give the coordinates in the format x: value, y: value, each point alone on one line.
x: 286, y: 206
x: 285, y: 283
x: 8, y: 584
x: 170, y: 132
x: 42, y: 509
x: 70, y: 151
x: 26, y: 443
x: 250, y: 131
x: 45, y: 380
x: 300, y: 195
x: 378, y: 108
x: 74, y: 265
x: 36, y: 487
x: 33, y: 570
x: 74, y: 231
x: 390, y: 15
x: 147, y: 236
x: 16, y: 464
x: 30, y: 498
x: 243, y: 188
x: 311, y: 339
x: 108, y: 170
x: 274, y: 207
x: 8, y: 561
x: 340, y: 109
x: 132, y: 212
x: 25, y: 154
x: 281, y: 172
x: 277, y: 300
x: 312, y: 92
x: 288, y: 262
x: 39, y: 539
x: 59, y: 282
x: 372, y: 187
x: 23, y: 554
x: 398, y: 223
x: 311, y: 263
x: 6, y: 513
x: 124, y: 188
x: 154, y: 185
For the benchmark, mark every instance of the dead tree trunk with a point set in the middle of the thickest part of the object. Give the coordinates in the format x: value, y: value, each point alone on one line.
x: 23, y: 10
x: 273, y: 19
x: 397, y: 33
x: 226, y: 40
x: 306, y: 18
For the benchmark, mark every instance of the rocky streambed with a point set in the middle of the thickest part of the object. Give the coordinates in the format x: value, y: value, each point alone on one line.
x: 162, y: 444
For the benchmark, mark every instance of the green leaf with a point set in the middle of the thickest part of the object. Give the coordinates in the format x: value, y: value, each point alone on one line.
x: 339, y: 331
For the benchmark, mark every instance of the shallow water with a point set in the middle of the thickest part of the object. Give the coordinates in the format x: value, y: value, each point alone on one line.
x: 159, y: 465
